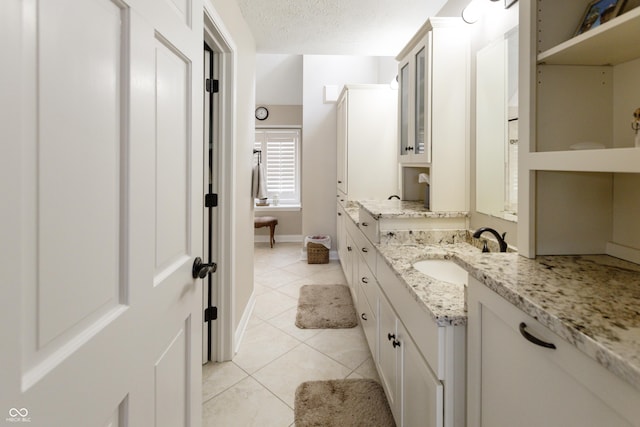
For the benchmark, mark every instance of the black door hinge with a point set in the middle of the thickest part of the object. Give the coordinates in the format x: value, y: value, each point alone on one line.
x: 212, y: 85
x: 210, y: 313
x: 210, y: 200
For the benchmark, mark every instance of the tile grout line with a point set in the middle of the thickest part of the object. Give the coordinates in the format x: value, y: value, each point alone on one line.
x: 290, y: 259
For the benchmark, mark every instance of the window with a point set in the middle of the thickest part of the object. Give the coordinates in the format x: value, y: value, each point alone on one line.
x: 280, y: 155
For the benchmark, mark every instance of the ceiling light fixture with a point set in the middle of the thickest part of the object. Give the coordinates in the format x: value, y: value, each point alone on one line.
x: 394, y: 83
x: 473, y: 11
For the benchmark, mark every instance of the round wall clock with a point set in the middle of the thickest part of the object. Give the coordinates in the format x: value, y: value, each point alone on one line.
x: 262, y: 113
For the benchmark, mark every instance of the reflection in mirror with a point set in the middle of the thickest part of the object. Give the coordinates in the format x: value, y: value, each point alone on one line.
x: 497, y: 127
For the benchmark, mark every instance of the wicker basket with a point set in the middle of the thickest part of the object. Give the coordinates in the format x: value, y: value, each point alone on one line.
x: 317, y: 253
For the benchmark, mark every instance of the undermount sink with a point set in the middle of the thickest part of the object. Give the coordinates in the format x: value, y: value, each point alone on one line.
x: 443, y: 270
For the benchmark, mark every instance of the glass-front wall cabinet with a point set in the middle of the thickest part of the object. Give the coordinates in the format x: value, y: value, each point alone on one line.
x: 433, y: 73
x: 415, y: 136
x: 404, y: 110
x: 420, y: 101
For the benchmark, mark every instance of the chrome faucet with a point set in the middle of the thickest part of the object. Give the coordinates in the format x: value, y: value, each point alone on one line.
x: 499, y: 238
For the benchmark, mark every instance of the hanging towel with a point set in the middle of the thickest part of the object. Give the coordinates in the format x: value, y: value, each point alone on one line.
x: 259, y: 185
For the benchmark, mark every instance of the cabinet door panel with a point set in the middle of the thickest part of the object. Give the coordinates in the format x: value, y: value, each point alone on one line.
x: 422, y: 393
x: 420, y: 101
x: 523, y: 385
x: 368, y: 320
x: 387, y: 354
x: 404, y: 109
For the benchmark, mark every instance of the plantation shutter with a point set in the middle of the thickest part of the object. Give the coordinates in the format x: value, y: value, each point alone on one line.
x: 281, y: 159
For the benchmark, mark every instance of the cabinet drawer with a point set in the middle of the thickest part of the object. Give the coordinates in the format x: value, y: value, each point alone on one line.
x: 577, y: 390
x: 341, y: 198
x: 366, y: 250
x: 367, y: 282
x: 369, y: 226
x: 368, y: 320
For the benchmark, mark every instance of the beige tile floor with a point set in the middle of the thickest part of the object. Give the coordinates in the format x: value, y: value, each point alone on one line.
x: 257, y: 388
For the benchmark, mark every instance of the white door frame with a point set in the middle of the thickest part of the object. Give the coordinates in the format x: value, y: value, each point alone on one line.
x: 219, y: 39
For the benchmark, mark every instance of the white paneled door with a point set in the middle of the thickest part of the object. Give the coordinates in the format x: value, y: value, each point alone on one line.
x: 101, y: 218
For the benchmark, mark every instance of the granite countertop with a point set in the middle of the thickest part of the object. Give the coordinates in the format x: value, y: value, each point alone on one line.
x: 352, y: 209
x: 395, y: 208
x: 444, y: 302
x: 592, y: 301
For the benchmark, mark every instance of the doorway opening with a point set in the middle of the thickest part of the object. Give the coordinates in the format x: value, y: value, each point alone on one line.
x: 218, y: 333
x: 210, y: 225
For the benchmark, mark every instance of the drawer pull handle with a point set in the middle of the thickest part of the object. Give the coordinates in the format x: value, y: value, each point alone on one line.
x: 365, y: 250
x: 391, y: 336
x: 349, y: 248
x: 531, y: 338
x: 365, y: 280
x: 339, y: 213
x: 364, y: 224
x: 396, y: 343
x: 364, y: 316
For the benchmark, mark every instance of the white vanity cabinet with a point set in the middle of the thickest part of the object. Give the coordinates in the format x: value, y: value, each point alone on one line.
x: 368, y: 315
x: 367, y: 305
x: 421, y: 393
x: 366, y: 139
x: 433, y: 75
x: 414, y: 393
x: 577, y: 91
x: 345, y: 243
x: 513, y: 381
x: 388, y: 357
x: 341, y: 232
x: 421, y: 364
x: 423, y: 374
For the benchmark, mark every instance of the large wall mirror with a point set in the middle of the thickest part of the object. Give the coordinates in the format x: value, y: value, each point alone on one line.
x: 497, y: 127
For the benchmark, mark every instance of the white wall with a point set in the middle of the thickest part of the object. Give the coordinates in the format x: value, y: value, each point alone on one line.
x: 279, y: 88
x: 319, y: 129
x: 454, y: 7
x: 278, y: 79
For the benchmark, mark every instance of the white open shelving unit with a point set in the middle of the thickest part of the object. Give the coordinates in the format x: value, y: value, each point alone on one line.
x: 581, y: 89
x: 611, y: 43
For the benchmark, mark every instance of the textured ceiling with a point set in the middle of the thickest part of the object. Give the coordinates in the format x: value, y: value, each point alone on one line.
x: 338, y: 27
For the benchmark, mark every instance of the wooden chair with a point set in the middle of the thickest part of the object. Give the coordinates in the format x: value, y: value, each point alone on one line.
x: 267, y: 221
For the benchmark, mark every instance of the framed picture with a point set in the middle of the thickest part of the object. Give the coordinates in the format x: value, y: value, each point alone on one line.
x: 508, y: 3
x: 598, y: 12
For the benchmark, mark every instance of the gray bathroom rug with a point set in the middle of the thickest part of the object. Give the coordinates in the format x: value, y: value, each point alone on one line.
x: 325, y: 307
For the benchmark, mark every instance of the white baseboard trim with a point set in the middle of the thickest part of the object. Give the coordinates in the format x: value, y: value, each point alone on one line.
x: 284, y: 238
x: 244, y: 321
x: 624, y: 252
